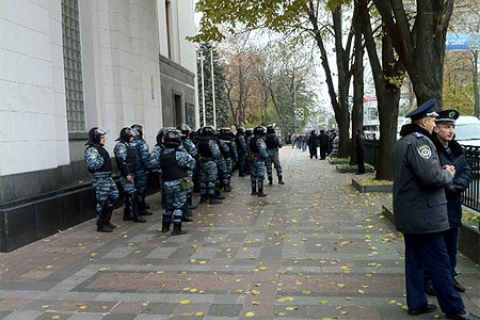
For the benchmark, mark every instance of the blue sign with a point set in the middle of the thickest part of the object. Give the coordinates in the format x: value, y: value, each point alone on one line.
x: 462, y: 42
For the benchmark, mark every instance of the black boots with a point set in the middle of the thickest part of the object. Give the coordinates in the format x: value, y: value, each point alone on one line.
x: 254, y: 188
x: 270, y: 181
x: 136, y: 206
x: 187, y: 215
x: 280, y: 180
x: 260, y: 189
x: 227, y: 188
x: 127, y: 208
x: 165, y: 226
x: 109, y: 217
x: 177, y: 229
x: 203, y: 199
x: 215, y: 200
x: 143, y: 206
x: 103, y: 216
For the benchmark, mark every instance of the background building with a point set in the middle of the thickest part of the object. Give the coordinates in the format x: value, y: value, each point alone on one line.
x: 69, y: 65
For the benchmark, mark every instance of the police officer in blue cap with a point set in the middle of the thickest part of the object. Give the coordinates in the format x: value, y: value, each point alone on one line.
x: 450, y: 152
x: 420, y: 208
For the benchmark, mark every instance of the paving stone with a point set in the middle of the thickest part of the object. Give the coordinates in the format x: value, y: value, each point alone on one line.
x: 59, y: 316
x: 224, y: 310
x: 23, y: 315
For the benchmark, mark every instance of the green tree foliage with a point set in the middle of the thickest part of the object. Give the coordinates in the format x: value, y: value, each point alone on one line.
x: 221, y: 97
x: 460, y: 99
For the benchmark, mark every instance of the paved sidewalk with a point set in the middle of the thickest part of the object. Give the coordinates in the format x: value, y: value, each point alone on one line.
x: 313, y: 249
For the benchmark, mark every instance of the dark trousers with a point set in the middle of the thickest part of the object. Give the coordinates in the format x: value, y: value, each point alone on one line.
x: 323, y: 152
x: 313, y: 152
x: 428, y: 253
x: 451, y: 243
x: 360, y: 160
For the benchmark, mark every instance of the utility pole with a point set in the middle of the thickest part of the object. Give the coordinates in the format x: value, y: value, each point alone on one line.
x: 202, y: 58
x: 294, y: 86
x: 213, y: 89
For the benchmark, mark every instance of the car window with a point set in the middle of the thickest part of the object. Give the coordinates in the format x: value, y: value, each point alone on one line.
x: 467, y: 132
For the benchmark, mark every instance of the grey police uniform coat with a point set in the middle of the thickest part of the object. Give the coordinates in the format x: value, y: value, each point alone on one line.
x: 419, y: 201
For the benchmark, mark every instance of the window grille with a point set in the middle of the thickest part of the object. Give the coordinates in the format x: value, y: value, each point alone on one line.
x: 73, y: 65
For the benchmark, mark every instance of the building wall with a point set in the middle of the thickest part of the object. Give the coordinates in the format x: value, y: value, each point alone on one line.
x: 43, y: 177
x: 33, y: 130
x: 122, y: 41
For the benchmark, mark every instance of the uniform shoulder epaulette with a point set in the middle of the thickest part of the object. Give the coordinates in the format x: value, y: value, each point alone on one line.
x: 418, y: 135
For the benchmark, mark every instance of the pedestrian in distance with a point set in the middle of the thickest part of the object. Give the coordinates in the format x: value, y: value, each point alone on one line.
x: 420, y: 210
x: 450, y: 152
x: 312, y: 144
x: 360, y: 151
x: 100, y: 167
x: 323, y: 141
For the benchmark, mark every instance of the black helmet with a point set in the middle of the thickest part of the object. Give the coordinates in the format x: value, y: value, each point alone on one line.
x: 209, y: 131
x: 125, y: 134
x: 241, y: 130
x: 160, y: 135
x: 224, y: 132
x: 259, y: 131
x: 184, y: 128
x: 172, y: 138
x: 270, y: 129
x: 95, y: 133
x: 248, y: 132
x: 139, y: 129
x: 199, y: 132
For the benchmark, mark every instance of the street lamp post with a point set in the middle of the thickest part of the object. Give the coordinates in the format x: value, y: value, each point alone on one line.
x: 213, y: 89
x: 202, y: 58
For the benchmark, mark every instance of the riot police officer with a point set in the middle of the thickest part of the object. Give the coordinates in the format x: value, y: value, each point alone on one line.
x: 249, y: 157
x: 174, y: 162
x: 208, y: 152
x: 259, y: 150
x: 227, y: 137
x: 100, y: 167
x: 142, y: 162
x: 273, y: 143
x: 192, y: 150
x: 125, y: 158
x: 242, y: 150
x: 420, y: 209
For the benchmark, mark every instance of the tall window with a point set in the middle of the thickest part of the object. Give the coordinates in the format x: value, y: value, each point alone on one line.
x: 168, y: 19
x: 73, y: 65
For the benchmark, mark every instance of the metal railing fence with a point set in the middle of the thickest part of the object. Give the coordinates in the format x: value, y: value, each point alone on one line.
x: 470, y: 198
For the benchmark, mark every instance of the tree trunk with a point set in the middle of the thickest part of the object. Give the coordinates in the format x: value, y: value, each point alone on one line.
x: 475, y: 83
x: 358, y: 86
x: 388, y: 114
x: 387, y: 77
x: 421, y: 45
x: 343, y: 121
x: 344, y: 76
x: 340, y: 102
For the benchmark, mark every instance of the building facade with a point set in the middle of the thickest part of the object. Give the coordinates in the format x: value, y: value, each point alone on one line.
x: 69, y: 65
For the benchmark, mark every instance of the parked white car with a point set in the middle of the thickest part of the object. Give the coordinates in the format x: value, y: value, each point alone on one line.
x: 467, y: 131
